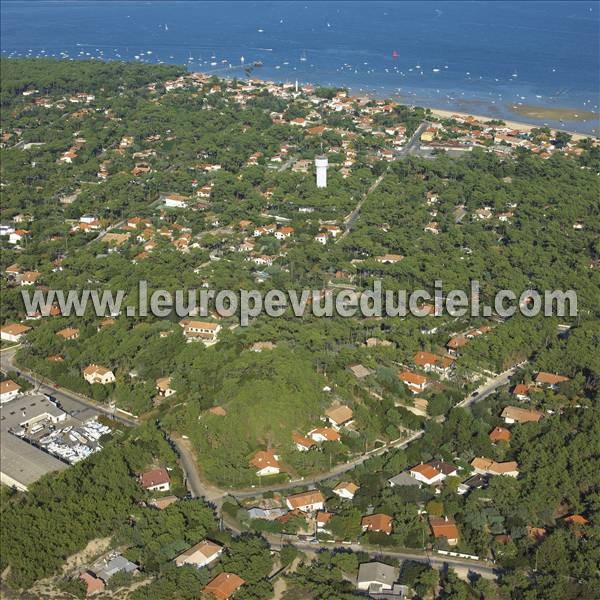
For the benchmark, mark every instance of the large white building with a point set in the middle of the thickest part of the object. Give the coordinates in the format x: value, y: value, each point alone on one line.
x: 321, y: 164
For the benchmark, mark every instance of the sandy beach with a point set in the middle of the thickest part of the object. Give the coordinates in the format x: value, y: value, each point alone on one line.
x: 445, y: 114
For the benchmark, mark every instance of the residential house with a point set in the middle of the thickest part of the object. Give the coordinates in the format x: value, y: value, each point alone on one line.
x: 477, y: 481
x: 487, y: 466
x: 373, y: 341
x: 499, y: 434
x: 427, y: 474
x: 322, y: 519
x: 444, y: 527
x: 175, y: 201
x: 200, y: 330
x: 339, y: 416
x: 224, y: 586
x: 14, y: 332
x: 200, y: 555
x: 378, y: 523
x: 345, y: 490
x: 29, y: 277
x: 69, y: 333
x: 13, y: 271
x: 303, y: 444
x: 9, y: 390
x: 376, y: 577
x: 454, y: 343
x: 264, y: 230
x: 514, y: 414
x: 17, y: 235
x: 284, y: 233
x: 521, y: 392
x: 404, y: 479
x: 442, y: 365
x: 324, y: 434
x: 550, y: 380
x: 309, y: 501
x: 443, y: 467
x: 156, y: 480
x: 266, y: 462
x: 416, y: 383
x: 332, y: 230
x: 106, y: 567
x: 260, y: 346
x: 97, y: 374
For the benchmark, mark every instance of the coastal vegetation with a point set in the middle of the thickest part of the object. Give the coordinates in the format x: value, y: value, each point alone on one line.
x: 106, y: 143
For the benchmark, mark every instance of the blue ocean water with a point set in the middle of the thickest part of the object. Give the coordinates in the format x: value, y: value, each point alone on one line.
x: 482, y: 57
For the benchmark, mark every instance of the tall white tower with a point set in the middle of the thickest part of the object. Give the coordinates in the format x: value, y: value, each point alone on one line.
x: 321, y: 164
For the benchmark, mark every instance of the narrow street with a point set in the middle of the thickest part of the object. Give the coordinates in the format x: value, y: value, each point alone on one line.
x: 411, y: 146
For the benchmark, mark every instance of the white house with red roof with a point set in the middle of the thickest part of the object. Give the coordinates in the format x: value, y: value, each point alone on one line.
x: 156, y: 480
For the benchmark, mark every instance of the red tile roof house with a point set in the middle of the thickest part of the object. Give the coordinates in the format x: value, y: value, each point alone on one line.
x: 8, y: 390
x: 93, y: 584
x: 550, y: 380
x: 310, y: 501
x: 266, y: 463
x: 324, y: 434
x: 499, y: 434
x: 322, y: 520
x: 224, y: 586
x: 200, y: 330
x: 346, y: 490
x: 97, y: 374
x: 521, y: 391
x: 379, y: 523
x: 486, y: 466
x: 427, y: 474
x: 156, y: 480
x: 415, y: 383
x: 13, y: 332
x: 303, y: 444
x: 442, y: 365
x: 444, y: 527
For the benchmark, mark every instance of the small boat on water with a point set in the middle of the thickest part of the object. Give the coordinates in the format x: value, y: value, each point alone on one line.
x: 303, y: 57
x: 395, y: 54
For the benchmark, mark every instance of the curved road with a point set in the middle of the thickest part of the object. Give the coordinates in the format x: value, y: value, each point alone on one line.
x: 212, y: 494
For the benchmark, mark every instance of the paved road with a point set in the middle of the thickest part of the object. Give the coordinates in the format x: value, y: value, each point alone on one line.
x: 349, y: 223
x: 200, y: 488
x: 484, y: 568
x: 490, y: 386
x: 413, y: 143
x: 75, y: 404
x: 276, y: 541
x: 409, y: 148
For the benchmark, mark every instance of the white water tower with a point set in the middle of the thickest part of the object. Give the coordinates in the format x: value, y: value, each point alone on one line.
x: 321, y: 164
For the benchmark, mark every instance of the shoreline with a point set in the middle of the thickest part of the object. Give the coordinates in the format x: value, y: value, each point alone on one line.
x: 439, y: 112
x: 521, y: 125
x: 513, y: 123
